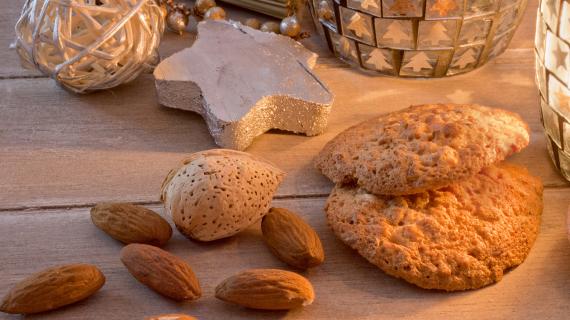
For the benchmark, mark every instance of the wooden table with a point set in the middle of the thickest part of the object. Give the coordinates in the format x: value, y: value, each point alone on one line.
x: 61, y: 153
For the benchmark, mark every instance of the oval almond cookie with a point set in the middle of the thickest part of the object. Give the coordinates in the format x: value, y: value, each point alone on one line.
x: 422, y: 147
x: 459, y: 237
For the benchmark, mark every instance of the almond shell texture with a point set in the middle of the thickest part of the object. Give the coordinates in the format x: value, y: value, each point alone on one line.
x: 217, y: 193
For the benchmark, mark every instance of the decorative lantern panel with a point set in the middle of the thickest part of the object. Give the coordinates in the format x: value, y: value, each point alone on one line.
x: 454, y: 36
x: 552, y: 61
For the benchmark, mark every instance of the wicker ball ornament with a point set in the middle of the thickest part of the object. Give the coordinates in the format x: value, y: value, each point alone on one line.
x: 88, y: 45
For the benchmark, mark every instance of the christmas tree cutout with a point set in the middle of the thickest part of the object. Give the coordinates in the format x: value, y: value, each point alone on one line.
x: 472, y: 33
x: 465, y: 59
x: 508, y: 19
x: 397, y: 32
x: 403, y: 6
x: 345, y: 48
x: 369, y: 3
x: 419, y: 62
x: 379, y: 61
x: 436, y: 34
x: 358, y: 25
x: 443, y: 6
x: 497, y: 49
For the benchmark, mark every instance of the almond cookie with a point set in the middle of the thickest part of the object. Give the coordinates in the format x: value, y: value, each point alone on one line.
x: 422, y: 147
x: 459, y: 237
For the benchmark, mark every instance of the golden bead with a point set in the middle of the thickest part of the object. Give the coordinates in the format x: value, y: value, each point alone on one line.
x: 290, y: 26
x: 176, y: 20
x: 215, y: 13
x: 252, y: 23
x: 203, y: 5
x: 271, y: 27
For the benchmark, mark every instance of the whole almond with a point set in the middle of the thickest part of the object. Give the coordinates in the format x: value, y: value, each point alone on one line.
x: 161, y: 271
x: 171, y: 317
x: 131, y: 224
x: 268, y: 289
x: 53, y: 288
x: 215, y: 194
x: 292, y: 239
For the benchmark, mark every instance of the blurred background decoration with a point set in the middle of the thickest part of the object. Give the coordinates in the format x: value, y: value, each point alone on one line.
x: 552, y: 77
x: 417, y: 38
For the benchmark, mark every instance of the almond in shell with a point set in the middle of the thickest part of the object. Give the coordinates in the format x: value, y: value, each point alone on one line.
x: 268, y: 289
x: 161, y: 271
x: 131, y: 224
x: 215, y: 194
x: 292, y: 239
x: 53, y: 288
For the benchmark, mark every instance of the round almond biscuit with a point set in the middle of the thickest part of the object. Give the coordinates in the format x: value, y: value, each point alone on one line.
x: 422, y: 147
x: 459, y: 237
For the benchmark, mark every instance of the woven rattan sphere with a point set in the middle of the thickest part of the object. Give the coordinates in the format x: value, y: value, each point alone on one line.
x: 87, y: 45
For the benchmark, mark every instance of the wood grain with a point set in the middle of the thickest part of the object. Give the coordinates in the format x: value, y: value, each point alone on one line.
x: 346, y: 285
x: 59, y: 148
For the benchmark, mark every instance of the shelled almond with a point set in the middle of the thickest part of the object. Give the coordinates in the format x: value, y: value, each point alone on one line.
x: 292, y: 239
x: 53, y: 288
x: 161, y: 271
x: 268, y: 289
x: 131, y: 224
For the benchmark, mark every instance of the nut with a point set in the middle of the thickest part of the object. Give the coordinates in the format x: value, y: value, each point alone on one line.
x: 171, y: 317
x: 131, y: 224
x: 292, y: 239
x: 268, y: 289
x: 217, y: 193
x: 53, y: 288
x: 161, y: 271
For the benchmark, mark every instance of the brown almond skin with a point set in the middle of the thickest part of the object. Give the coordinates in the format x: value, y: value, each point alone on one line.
x: 131, y: 224
x: 268, y: 289
x: 171, y: 317
x: 161, y: 271
x: 53, y: 288
x: 292, y: 239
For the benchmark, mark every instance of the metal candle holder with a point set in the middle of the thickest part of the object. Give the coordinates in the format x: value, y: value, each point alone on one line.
x: 417, y: 38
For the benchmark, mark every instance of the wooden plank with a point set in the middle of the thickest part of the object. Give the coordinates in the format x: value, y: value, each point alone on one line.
x: 58, y: 148
x: 62, y: 149
x: 346, y: 285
